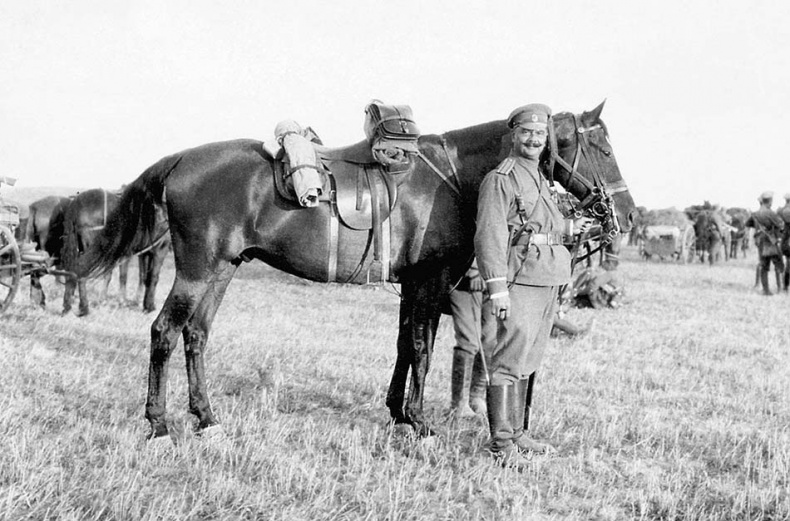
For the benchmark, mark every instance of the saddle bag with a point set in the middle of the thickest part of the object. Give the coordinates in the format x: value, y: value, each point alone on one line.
x: 391, y: 122
x: 392, y: 134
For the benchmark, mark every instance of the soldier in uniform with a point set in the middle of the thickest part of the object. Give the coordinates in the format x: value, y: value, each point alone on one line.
x: 522, y: 259
x: 468, y: 378
x: 784, y: 214
x: 768, y: 228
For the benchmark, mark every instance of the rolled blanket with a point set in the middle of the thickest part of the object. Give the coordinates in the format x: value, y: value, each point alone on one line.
x: 307, y: 182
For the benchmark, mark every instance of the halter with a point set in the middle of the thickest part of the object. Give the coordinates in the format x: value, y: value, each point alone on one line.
x: 599, y: 202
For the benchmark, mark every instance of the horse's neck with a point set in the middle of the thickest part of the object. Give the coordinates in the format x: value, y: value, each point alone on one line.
x: 475, y: 151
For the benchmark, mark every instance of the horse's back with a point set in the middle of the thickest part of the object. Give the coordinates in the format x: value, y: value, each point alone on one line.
x: 215, y: 197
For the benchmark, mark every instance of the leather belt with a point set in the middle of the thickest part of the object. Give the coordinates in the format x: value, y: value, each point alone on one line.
x: 550, y: 239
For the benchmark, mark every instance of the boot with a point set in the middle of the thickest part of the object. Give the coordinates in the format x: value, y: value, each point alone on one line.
x: 778, y: 280
x: 764, y: 281
x: 477, y: 391
x: 521, y: 420
x: 460, y: 380
x: 501, y: 400
x: 786, y: 281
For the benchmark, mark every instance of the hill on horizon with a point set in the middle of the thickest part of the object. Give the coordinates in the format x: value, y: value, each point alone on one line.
x: 28, y: 194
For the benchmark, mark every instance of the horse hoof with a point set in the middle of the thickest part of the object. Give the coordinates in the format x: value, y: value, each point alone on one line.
x: 403, y: 430
x: 212, y: 432
x: 159, y: 443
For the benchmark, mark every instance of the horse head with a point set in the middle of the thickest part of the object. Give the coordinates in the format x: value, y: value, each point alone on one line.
x: 581, y: 159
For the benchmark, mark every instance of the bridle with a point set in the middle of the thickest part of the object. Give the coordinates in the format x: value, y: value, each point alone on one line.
x: 599, y: 201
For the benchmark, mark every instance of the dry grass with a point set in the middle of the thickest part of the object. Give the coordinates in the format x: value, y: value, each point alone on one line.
x: 674, y: 407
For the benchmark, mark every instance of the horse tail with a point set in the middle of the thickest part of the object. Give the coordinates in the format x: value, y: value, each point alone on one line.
x: 131, y: 226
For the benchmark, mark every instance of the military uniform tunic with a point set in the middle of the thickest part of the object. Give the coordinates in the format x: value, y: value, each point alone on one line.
x: 514, y: 347
x: 768, y: 226
x: 784, y: 214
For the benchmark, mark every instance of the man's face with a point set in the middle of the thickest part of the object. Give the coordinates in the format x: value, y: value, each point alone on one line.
x: 529, y: 139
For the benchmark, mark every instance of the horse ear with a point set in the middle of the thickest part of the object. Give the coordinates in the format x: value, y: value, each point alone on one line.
x: 595, y: 114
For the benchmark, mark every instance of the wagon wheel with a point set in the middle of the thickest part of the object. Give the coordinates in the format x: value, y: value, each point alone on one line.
x: 688, y: 245
x: 10, y: 267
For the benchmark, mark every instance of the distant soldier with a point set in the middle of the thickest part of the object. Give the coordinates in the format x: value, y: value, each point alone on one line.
x: 768, y: 228
x: 784, y: 214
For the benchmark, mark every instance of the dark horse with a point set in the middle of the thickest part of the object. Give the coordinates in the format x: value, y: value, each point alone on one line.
x: 44, y: 229
x: 224, y: 208
x: 74, y: 226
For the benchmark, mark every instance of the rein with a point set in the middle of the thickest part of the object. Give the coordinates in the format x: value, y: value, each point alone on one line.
x: 451, y: 180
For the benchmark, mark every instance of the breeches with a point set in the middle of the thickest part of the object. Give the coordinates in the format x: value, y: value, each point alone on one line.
x: 765, y: 263
x: 514, y: 347
x: 466, y: 307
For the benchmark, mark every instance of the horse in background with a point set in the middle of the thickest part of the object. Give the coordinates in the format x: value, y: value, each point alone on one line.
x: 224, y: 207
x: 44, y: 230
x: 712, y: 230
x: 71, y: 229
x: 739, y: 236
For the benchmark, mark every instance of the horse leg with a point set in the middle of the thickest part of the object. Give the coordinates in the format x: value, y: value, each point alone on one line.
x: 123, y: 277
x: 142, y: 270
x: 195, y: 335
x: 420, y: 314
x: 36, y: 291
x: 82, y: 285
x: 176, y: 311
x: 104, y: 287
x: 154, y: 267
x: 68, y: 294
x: 397, y: 389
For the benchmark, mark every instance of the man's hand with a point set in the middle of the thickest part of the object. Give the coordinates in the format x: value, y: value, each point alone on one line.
x: 476, y: 282
x: 500, y: 306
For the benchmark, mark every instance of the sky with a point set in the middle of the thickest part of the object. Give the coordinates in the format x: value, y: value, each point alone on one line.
x: 697, y: 93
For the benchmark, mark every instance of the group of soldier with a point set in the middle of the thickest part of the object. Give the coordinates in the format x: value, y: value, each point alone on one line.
x: 772, y: 237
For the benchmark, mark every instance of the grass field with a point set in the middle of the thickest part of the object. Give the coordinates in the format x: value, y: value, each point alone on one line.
x: 675, y: 406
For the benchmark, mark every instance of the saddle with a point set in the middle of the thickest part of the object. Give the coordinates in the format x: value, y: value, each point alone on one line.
x: 352, y: 182
x: 361, y: 180
x: 361, y: 194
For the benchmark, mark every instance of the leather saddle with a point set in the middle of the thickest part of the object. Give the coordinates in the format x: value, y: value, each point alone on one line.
x: 360, y: 189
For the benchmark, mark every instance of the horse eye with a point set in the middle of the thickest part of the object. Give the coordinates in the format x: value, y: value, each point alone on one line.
x: 606, y: 152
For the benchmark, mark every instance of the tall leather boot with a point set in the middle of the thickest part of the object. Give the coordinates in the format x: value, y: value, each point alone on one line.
x: 501, y: 400
x: 786, y: 280
x: 778, y: 279
x: 460, y: 380
x: 521, y: 414
x: 764, y: 281
x: 477, y: 391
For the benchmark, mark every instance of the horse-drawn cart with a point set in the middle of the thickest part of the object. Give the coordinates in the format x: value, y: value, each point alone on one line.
x: 668, y: 242
x: 15, y: 261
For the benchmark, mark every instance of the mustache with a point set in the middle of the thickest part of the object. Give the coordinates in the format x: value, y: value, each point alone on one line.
x: 532, y: 144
